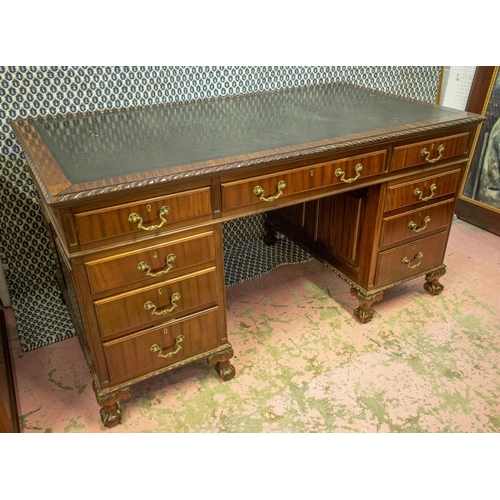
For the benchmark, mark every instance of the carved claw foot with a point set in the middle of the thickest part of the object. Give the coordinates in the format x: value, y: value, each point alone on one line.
x: 110, y: 412
x: 223, y: 367
x: 364, y: 313
x: 432, y: 284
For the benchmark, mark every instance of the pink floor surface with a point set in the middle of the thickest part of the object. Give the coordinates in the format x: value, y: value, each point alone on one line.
x: 304, y: 365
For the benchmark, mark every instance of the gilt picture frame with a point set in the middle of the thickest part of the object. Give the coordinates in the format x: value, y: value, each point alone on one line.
x: 479, y: 195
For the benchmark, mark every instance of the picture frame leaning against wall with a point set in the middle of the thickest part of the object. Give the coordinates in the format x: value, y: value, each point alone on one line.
x: 479, y: 196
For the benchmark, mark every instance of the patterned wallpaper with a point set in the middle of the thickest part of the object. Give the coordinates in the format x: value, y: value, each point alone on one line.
x: 30, y: 91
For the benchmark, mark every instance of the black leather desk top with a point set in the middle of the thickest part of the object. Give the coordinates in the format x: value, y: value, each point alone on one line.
x: 78, y: 156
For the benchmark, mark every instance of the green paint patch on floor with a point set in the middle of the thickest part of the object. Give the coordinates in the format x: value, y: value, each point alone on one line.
x: 375, y: 404
x: 495, y: 420
x: 74, y: 426
x: 57, y: 383
x: 329, y: 313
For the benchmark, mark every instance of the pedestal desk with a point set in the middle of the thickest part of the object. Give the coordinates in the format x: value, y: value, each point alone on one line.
x: 135, y: 200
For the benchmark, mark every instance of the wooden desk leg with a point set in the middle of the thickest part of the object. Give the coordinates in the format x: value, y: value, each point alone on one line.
x: 111, y: 414
x: 432, y: 284
x: 364, y: 313
x: 223, y: 367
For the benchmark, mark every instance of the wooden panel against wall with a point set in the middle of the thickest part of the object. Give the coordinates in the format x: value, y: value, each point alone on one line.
x: 9, y: 417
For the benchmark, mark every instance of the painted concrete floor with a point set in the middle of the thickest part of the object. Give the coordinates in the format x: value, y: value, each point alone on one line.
x: 304, y: 365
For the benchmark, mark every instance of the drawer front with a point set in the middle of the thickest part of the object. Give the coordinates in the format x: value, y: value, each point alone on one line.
x: 151, y: 215
x: 128, y: 312
x: 279, y: 185
x: 430, y: 152
x: 417, y: 223
x: 151, y: 350
x: 422, y: 190
x: 414, y: 258
x: 152, y: 263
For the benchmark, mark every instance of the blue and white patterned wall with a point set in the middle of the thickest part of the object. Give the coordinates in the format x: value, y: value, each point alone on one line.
x: 31, y: 91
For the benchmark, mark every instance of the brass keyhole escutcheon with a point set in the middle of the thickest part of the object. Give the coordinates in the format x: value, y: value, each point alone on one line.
x: 160, y: 291
x: 148, y: 208
x: 312, y: 173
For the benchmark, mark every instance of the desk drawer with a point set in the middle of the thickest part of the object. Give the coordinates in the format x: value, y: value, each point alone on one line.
x: 150, y: 215
x: 434, y: 152
x: 417, y: 223
x: 414, y: 258
x: 130, y: 357
x: 269, y: 188
x: 152, y: 263
x: 422, y: 190
x: 128, y: 312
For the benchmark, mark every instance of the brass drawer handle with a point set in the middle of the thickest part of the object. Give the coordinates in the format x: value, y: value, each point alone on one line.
x: 419, y: 193
x: 426, y: 153
x: 407, y: 261
x: 178, y: 341
x: 260, y: 192
x: 149, y: 306
x: 416, y: 229
x: 340, y: 173
x: 143, y: 266
x: 135, y: 218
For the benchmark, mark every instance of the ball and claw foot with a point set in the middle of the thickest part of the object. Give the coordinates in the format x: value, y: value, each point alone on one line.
x: 110, y: 412
x: 111, y: 416
x: 223, y: 367
x: 432, y: 284
x: 364, y: 313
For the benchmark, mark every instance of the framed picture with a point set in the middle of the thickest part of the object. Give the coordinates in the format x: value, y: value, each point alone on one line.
x: 479, y: 198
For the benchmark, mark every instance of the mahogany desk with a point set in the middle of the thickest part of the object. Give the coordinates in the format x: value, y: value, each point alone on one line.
x: 135, y: 200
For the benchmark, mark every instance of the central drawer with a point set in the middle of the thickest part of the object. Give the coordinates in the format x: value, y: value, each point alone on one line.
x: 150, y: 350
x: 128, y: 312
x: 268, y: 188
